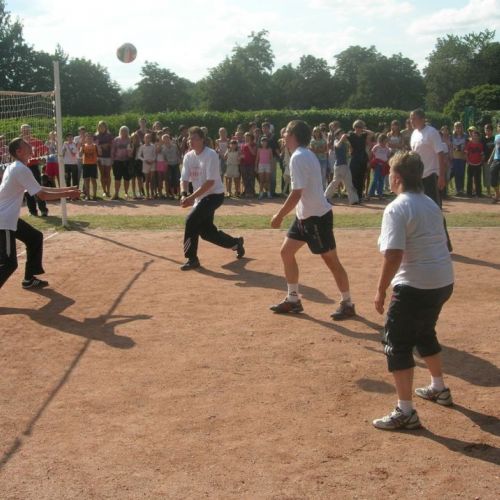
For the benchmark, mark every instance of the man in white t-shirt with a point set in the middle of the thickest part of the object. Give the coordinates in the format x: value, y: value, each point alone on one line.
x: 313, y: 223
x: 426, y: 141
x: 201, y: 167
x: 17, y: 180
x: 418, y: 265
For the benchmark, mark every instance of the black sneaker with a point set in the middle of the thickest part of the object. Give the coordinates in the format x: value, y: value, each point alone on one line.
x: 34, y: 283
x: 345, y: 310
x: 45, y: 213
x: 240, y: 249
x: 190, y: 264
x: 287, y: 307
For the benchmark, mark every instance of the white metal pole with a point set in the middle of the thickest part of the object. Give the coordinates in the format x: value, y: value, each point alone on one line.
x: 59, y: 132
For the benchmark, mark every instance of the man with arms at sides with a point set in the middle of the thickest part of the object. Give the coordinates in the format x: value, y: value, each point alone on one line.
x: 426, y: 141
x: 201, y: 167
x: 313, y: 223
x: 418, y: 265
x: 18, y: 179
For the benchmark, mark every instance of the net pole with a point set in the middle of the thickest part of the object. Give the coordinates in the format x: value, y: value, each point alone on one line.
x: 59, y: 133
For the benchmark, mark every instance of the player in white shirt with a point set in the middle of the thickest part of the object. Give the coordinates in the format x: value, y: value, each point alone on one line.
x: 426, y: 141
x: 18, y: 179
x: 313, y: 223
x: 418, y: 265
x: 201, y: 167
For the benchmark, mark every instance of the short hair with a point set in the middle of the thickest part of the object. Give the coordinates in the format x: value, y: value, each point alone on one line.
x: 197, y: 131
x: 419, y: 113
x: 124, y: 127
x: 81, y: 127
x: 382, y: 138
x: 408, y: 165
x: 25, y: 125
x: 15, y: 145
x: 266, y: 124
x: 301, y: 131
x: 359, y: 123
x: 395, y: 122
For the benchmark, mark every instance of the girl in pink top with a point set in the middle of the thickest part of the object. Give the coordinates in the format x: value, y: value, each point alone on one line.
x: 263, y: 167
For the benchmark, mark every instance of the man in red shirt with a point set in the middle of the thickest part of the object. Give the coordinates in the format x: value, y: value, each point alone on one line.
x: 38, y: 149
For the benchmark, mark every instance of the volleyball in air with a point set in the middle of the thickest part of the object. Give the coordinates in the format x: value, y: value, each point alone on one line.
x: 126, y: 53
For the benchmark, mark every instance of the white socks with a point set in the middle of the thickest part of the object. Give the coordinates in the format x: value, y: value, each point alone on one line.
x: 293, y: 292
x: 437, y: 383
x: 346, y: 297
x: 405, y: 406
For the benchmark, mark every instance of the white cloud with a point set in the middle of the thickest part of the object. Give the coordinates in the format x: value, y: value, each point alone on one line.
x: 365, y: 8
x: 476, y: 15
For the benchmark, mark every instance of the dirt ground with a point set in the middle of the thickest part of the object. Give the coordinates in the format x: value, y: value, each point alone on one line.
x: 130, y: 379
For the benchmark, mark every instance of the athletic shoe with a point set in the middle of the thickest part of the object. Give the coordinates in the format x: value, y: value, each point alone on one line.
x: 45, y: 213
x: 398, y: 420
x: 33, y: 214
x: 287, y: 307
x: 269, y: 195
x: 34, y: 283
x: 261, y: 196
x: 240, y: 249
x: 190, y: 264
x: 440, y: 397
x: 345, y: 310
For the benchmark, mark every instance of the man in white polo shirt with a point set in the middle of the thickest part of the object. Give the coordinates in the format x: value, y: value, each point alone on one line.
x: 201, y: 167
x: 426, y: 141
x: 313, y: 223
x: 17, y: 180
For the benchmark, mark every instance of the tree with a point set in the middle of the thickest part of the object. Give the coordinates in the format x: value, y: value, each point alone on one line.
x: 393, y: 82
x: 160, y: 89
x: 483, y: 97
x: 347, y: 68
x: 453, y: 65
x: 243, y: 80
x: 286, y: 88
x: 87, y: 89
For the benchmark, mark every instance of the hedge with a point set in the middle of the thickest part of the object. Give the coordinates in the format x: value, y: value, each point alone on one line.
x: 213, y: 120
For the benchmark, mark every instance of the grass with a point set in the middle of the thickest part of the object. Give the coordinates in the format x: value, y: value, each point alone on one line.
x: 174, y: 222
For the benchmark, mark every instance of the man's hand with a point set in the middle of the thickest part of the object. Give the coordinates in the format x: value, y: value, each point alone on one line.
x: 74, y: 194
x: 187, y: 201
x: 441, y: 182
x: 379, y: 302
x: 276, y: 221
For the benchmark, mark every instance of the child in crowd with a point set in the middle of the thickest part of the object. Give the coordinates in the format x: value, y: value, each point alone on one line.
x: 474, y: 151
x: 319, y: 147
x: 136, y: 166
x: 120, y: 156
x: 232, y: 159
x: 341, y: 171
x: 263, y: 167
x: 458, y: 141
x: 285, y: 160
x: 70, y: 155
x: 248, y: 153
x: 378, y: 163
x: 221, y: 145
x: 52, y: 165
x: 161, y: 166
x: 147, y: 153
x: 88, y: 153
x: 173, y: 157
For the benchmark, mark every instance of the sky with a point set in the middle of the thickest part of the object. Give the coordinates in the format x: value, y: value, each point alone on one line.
x: 189, y: 37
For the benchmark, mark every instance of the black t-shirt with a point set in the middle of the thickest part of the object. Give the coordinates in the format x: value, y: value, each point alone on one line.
x: 358, y: 143
x: 489, y: 146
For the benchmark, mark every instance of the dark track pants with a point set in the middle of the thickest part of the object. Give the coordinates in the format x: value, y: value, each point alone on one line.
x: 33, y: 239
x: 33, y: 201
x: 432, y: 191
x: 200, y: 222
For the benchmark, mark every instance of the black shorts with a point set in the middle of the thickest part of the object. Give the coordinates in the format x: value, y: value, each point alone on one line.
x: 136, y: 169
x: 8, y: 255
x: 495, y: 172
x: 317, y: 232
x: 121, y: 170
x: 411, y: 320
x: 89, y: 171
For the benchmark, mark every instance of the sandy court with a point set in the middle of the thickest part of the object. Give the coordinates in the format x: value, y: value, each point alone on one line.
x: 130, y: 379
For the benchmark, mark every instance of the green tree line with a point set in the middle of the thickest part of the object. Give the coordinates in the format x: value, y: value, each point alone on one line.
x: 457, y: 70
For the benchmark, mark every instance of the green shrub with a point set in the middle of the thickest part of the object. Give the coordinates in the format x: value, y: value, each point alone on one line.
x: 213, y: 120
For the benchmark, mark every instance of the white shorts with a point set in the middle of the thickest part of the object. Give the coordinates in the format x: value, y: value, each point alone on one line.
x: 264, y: 169
x: 148, y: 167
x: 105, y: 162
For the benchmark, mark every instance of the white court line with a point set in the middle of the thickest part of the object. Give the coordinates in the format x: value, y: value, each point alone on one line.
x: 45, y: 239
